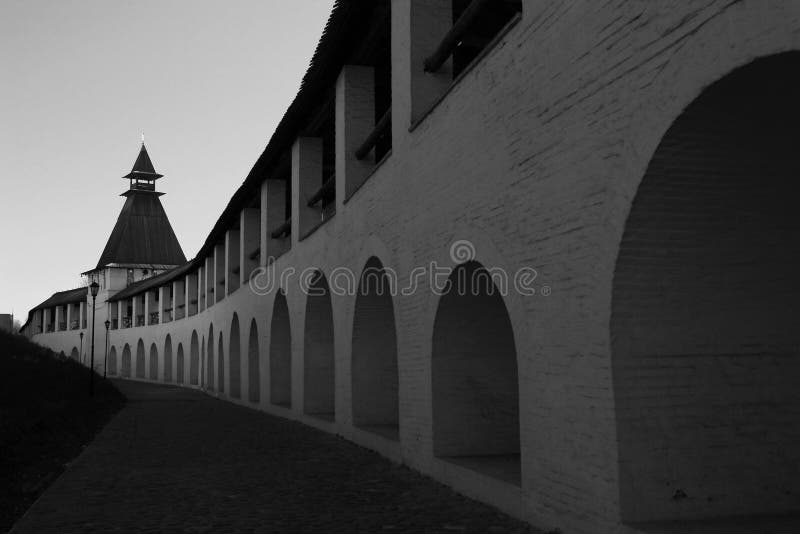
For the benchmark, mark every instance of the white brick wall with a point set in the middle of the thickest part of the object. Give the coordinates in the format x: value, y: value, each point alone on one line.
x: 535, y: 156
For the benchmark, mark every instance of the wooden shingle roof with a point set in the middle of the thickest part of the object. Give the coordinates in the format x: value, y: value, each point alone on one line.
x: 61, y: 298
x: 142, y: 234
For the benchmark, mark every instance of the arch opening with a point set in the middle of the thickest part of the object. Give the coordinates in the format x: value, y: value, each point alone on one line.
x: 474, y: 377
x: 319, y: 376
x: 280, y: 354
x: 179, y: 364
x: 74, y: 354
x: 112, y: 362
x: 126, y: 361
x: 140, y: 360
x: 220, y: 366
x: 253, y: 364
x: 153, y: 362
x: 194, y: 360
x: 703, y: 337
x: 168, y: 359
x: 235, y: 374
x: 210, y: 383
x: 374, y: 358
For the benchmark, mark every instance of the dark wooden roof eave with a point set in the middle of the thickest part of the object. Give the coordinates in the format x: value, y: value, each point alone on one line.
x: 321, y: 74
x: 150, y: 283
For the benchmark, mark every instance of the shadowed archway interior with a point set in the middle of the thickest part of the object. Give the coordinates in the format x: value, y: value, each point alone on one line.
x: 235, y: 359
x: 203, y: 363
x: 210, y: 383
x: 318, y: 363
x: 374, y: 363
x: 280, y: 354
x: 253, y: 364
x: 168, y: 359
x: 475, y: 383
x: 705, y: 306
x: 221, y: 365
x: 112, y: 361
x: 126, y: 361
x: 153, y: 364
x: 141, y: 362
x: 194, y: 360
x: 179, y: 365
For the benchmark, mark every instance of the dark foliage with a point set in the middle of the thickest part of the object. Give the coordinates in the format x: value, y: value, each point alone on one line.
x: 46, y: 418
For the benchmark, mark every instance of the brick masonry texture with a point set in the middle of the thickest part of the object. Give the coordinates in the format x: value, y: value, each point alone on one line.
x: 705, y: 351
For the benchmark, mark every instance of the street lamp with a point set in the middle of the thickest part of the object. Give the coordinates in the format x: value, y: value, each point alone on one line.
x: 94, y: 287
x: 105, y: 363
x: 80, y: 356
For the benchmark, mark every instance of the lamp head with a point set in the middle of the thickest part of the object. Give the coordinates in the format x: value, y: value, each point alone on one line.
x: 94, y: 287
x: 108, y: 323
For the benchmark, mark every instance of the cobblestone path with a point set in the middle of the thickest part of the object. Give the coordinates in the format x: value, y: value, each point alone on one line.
x: 176, y: 460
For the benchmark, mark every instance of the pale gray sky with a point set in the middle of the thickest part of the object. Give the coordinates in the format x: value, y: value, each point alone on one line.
x: 206, y: 80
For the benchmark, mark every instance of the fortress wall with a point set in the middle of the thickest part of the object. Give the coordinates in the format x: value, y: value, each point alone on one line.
x: 533, y: 157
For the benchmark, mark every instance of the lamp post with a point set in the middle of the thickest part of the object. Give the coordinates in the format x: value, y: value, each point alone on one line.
x: 80, y: 356
x: 105, y: 362
x: 94, y: 287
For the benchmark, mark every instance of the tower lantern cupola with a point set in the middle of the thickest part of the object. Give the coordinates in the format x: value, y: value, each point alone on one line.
x: 143, y: 176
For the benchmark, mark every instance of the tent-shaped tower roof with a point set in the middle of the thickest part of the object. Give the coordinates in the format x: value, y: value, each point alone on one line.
x: 143, y: 234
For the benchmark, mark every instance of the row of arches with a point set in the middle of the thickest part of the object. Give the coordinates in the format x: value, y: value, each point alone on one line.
x: 123, y: 365
x: 475, y: 389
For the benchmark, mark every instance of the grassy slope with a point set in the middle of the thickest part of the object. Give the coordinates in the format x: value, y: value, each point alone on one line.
x: 46, y: 418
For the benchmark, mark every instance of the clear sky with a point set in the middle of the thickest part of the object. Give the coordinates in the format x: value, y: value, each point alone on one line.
x: 206, y: 80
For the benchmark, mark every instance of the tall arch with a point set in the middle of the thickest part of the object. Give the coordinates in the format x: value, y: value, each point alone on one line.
x: 374, y: 356
x: 112, y: 362
x: 168, y: 359
x: 235, y: 359
x: 253, y: 364
x: 194, y: 359
x: 153, y: 362
x: 203, y: 375
x: 704, y: 341
x: 319, y: 376
x: 140, y: 360
x: 280, y: 354
x: 474, y: 377
x: 179, y: 364
x: 210, y: 383
x: 220, y: 365
x: 126, y: 361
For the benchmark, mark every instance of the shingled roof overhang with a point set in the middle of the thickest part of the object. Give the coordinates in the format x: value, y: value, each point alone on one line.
x: 151, y: 283
x: 60, y: 298
x: 337, y: 41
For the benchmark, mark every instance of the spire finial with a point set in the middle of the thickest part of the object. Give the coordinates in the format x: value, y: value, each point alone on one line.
x: 142, y: 136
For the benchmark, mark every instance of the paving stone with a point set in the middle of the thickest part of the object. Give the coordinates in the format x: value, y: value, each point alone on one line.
x: 176, y: 460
